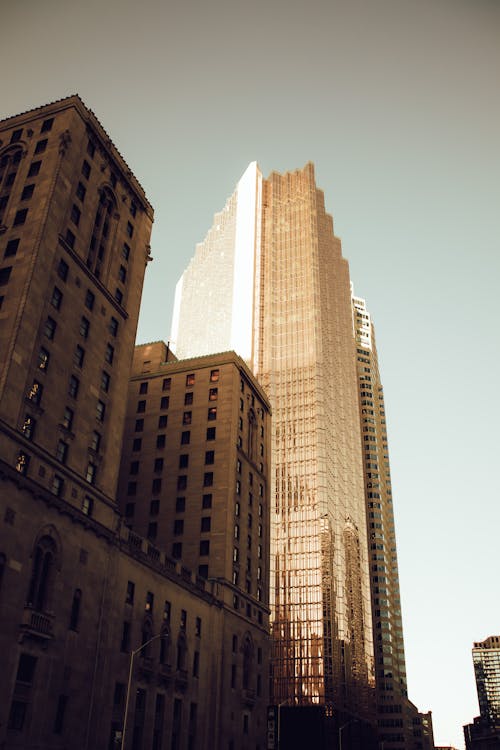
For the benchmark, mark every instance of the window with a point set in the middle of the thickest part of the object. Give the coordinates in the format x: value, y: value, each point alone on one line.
x: 158, y: 465
x: 100, y: 411
x: 35, y: 392
x: 41, y: 146
x: 188, y: 398
x: 62, y: 451
x: 113, y: 326
x: 180, y: 505
x: 118, y: 296
x: 62, y: 270
x: 238, y: 466
x: 50, y: 328
x: 80, y: 191
x: 105, y: 381
x: 74, y: 385
x: 185, y: 437
x: 11, y: 248
x: 27, y: 192
x: 20, y: 217
x: 154, y: 507
x: 162, y: 421
x: 87, y: 506
x: 109, y: 353
x: 139, y: 425
x: 196, y: 664
x: 125, y: 643
x: 214, y: 376
x: 43, y: 359
x: 89, y: 299
x: 209, y: 457
x: 186, y: 417
x: 183, y: 461
x: 167, y: 382
x: 130, y: 509
x: 212, y: 413
x: 182, y: 482
x: 205, y: 523
x: 177, y: 550
x: 84, y: 327
x: 190, y: 379
x: 178, y: 527
x: 34, y: 168
x: 22, y: 463
x: 47, y: 125
x: 122, y: 274
x: 67, y: 420
x: 164, y: 403
x: 91, y: 473
x: 143, y: 388
x: 126, y: 251
x: 208, y: 479
x: 156, y: 486
x: 152, y: 530
x: 16, y: 135
x: 75, y: 610
x: 28, y: 428
x: 206, y: 501
x: 212, y: 394
x: 75, y: 215
x: 238, y: 487
x: 42, y: 575
x: 211, y: 433
x: 134, y: 467
x: 130, y: 229
x: 17, y: 715
x: 70, y: 238
x: 86, y: 169
x: 5, y: 275
x: 160, y: 441
x: 141, y: 406
x: 79, y: 355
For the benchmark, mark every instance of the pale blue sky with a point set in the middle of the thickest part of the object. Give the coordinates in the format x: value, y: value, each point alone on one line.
x: 398, y: 104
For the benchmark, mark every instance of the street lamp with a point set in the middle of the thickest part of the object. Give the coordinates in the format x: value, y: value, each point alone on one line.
x: 132, y: 655
x: 351, y: 721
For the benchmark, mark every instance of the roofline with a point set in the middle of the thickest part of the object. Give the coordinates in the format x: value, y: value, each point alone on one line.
x: 93, y: 122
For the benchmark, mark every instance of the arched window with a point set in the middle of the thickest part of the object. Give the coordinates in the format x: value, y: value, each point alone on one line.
x: 104, y: 229
x: 247, y: 661
x: 9, y: 163
x: 42, y: 576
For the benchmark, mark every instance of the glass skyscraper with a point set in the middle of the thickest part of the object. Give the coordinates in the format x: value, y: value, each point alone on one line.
x: 270, y: 282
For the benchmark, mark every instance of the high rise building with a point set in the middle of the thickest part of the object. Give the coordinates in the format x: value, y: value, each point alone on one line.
x: 194, y: 481
x: 270, y: 281
x: 484, y: 732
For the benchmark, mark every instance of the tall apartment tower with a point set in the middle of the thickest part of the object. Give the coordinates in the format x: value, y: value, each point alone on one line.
x: 270, y: 282
x: 486, y: 659
x: 392, y: 704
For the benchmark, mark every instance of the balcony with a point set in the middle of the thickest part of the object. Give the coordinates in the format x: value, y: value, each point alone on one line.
x: 37, y: 624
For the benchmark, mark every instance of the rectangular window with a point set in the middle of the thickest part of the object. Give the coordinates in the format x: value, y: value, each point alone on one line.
x: 160, y: 441
x: 182, y: 482
x: 214, y: 376
x: 95, y: 441
x: 212, y: 413
x: 74, y: 385
x: 183, y: 461
x: 11, y: 248
x: 105, y: 381
x: 206, y: 501
x: 20, y: 217
x: 80, y: 192
x: 129, y: 510
x: 34, y: 168
x: 154, y: 507
x: 86, y: 169
x: 62, y: 451
x: 211, y: 433
x: 134, y: 467
x: 130, y: 229
x: 75, y: 215
x: 87, y: 506
x: 208, y: 479
x: 47, y: 125
x: 79, y: 356
x: 158, y: 465
x: 188, y: 398
x: 84, y: 327
x: 41, y: 146
x: 109, y: 354
x: 57, y: 485
x: 152, y: 530
x: 162, y: 421
x: 141, y: 406
x: 139, y: 425
x: 67, y: 420
x: 178, y: 527
x: 187, y: 417
x: 50, y: 328
x: 209, y: 457
x: 164, y: 403
x: 185, y: 437
x: 180, y: 505
x: 100, y: 411
x: 212, y: 394
x: 61, y: 709
x: 91, y: 473
x: 177, y: 550
x: 125, y: 644
x: 143, y: 388
x: 113, y: 326
x: 89, y: 299
x: 126, y: 251
x: 167, y: 382
x: 205, y: 523
x: 70, y: 238
x: 190, y: 379
x: 27, y: 192
x: 156, y: 486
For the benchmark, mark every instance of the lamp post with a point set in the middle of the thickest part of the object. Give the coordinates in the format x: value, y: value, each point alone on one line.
x: 351, y: 721
x: 132, y: 655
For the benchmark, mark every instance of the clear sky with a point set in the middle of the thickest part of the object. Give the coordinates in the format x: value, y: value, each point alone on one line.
x: 397, y: 102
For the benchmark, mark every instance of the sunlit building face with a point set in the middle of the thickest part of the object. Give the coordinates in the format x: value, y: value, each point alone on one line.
x: 270, y: 281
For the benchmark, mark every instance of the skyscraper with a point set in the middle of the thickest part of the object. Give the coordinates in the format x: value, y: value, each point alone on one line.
x: 486, y: 659
x: 270, y: 281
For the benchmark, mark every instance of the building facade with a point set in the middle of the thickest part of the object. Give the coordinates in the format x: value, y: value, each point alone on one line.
x: 283, y: 263
x: 194, y: 481
x: 83, y: 598
x: 484, y: 732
